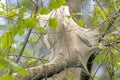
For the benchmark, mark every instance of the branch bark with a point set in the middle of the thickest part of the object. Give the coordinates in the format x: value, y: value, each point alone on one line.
x: 49, y: 69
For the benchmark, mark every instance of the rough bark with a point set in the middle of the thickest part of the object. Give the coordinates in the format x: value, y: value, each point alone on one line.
x: 73, y: 46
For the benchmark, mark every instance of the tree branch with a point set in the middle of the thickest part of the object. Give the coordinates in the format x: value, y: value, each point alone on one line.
x: 49, y: 69
x: 110, y: 24
x: 23, y: 48
x: 29, y: 32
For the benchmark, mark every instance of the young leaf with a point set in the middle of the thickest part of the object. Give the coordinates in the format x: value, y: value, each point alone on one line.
x: 103, y: 15
x: 6, y: 40
x: 22, y: 71
x: 44, y: 11
x: 114, y: 51
x: 118, y: 45
x: 41, y: 29
x: 54, y: 4
x: 53, y: 23
x: 11, y: 15
x: 30, y: 22
x: 22, y: 12
x: 3, y: 5
x: 100, y: 57
x: 6, y: 77
x: 81, y: 22
x: 3, y: 64
x: 97, y: 9
x: 2, y: 12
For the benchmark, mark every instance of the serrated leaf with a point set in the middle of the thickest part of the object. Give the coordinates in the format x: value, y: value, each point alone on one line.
x: 53, y: 23
x: 41, y: 29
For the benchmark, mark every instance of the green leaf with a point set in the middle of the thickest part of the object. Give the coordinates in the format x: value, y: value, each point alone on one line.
x: 81, y: 22
x: 3, y: 5
x: 3, y: 64
x: 11, y: 15
x: 22, y: 11
x: 111, y: 38
x: 103, y: 15
x: 6, y: 40
x: 118, y: 45
x: 114, y: 51
x: 97, y: 9
x: 22, y: 71
x: 44, y: 11
x: 54, y: 4
x: 30, y: 22
x: 41, y: 29
x: 53, y: 23
x: 6, y: 77
x: 2, y: 12
x: 117, y: 63
x: 100, y: 57
x: 27, y: 3
x: 18, y: 29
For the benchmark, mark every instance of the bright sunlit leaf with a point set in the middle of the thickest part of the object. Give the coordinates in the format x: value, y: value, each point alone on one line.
x: 81, y: 22
x: 100, y: 57
x: 53, y: 23
x: 6, y: 77
x: 6, y: 40
x: 103, y: 15
x: 22, y: 71
x: 30, y: 22
x: 114, y: 51
x: 54, y: 4
x: 44, y: 11
x: 2, y: 12
x: 3, y: 5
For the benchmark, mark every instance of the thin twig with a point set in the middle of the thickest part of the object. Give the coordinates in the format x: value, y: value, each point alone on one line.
x: 101, y: 7
x: 24, y: 45
x: 100, y: 64
x: 29, y: 32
